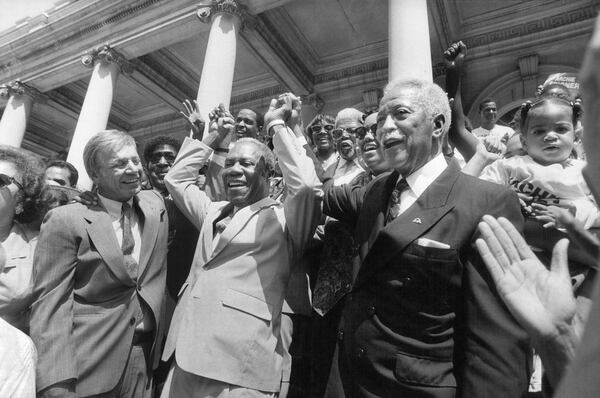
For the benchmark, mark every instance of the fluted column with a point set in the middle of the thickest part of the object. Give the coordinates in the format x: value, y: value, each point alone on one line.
x: 409, y: 48
x: 226, y: 17
x: 16, y: 114
x: 107, y: 63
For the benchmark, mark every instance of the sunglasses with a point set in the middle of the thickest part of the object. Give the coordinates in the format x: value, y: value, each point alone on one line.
x: 155, y: 157
x: 358, y: 132
x: 7, y: 180
x: 317, y: 128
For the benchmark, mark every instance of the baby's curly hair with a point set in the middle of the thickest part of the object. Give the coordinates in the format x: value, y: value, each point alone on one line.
x: 30, y: 174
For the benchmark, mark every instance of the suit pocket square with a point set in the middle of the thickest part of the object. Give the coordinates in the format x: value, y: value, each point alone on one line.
x: 424, y: 242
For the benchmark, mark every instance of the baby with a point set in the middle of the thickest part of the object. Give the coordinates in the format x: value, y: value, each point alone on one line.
x: 547, y: 178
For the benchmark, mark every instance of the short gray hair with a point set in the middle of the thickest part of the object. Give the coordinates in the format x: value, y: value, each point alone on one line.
x: 264, y: 151
x: 427, y: 94
x: 101, y: 142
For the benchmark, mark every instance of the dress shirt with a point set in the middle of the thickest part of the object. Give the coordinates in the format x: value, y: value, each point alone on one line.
x: 114, y: 209
x: 346, y: 171
x: 330, y: 160
x: 420, y: 180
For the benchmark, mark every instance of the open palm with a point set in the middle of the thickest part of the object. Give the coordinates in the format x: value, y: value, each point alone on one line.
x: 540, y: 299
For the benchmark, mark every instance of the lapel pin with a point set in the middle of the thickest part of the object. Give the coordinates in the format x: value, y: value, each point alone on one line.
x: 417, y: 220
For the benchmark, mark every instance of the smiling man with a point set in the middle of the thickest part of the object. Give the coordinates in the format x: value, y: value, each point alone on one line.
x: 248, y: 123
x: 99, y: 282
x: 225, y: 333
x: 423, y: 318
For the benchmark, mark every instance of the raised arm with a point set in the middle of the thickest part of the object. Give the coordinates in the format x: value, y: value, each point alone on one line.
x: 541, y: 300
x: 458, y: 134
x: 302, y: 206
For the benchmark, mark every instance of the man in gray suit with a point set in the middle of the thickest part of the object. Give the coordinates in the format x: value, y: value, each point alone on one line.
x: 99, y: 282
x: 225, y: 333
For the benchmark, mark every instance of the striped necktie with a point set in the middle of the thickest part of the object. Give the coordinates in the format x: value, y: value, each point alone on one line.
x: 394, y: 206
x: 128, y: 242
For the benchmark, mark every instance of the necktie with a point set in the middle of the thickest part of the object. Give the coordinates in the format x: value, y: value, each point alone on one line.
x: 128, y: 242
x: 394, y: 209
x: 221, y: 225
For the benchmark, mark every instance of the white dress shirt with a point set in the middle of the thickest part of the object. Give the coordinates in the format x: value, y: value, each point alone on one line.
x: 420, y: 180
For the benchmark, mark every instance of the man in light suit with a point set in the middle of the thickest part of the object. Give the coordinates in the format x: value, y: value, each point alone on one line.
x: 225, y: 330
x: 99, y: 282
x: 423, y: 318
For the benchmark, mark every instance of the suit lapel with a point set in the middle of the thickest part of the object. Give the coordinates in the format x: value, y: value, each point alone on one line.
x: 100, y: 231
x: 151, y: 220
x: 238, y: 222
x: 429, y: 208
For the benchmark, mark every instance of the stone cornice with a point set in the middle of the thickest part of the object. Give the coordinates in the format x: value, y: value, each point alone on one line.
x: 532, y: 27
x: 354, y: 70
x: 106, y: 54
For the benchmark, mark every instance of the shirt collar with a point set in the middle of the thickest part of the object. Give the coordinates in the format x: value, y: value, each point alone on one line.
x: 114, y: 207
x: 422, y: 178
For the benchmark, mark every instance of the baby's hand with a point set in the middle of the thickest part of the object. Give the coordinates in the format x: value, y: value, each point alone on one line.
x: 552, y: 216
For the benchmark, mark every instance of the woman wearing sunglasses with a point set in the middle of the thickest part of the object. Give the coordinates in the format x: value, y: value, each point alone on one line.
x: 21, y: 182
x: 319, y: 131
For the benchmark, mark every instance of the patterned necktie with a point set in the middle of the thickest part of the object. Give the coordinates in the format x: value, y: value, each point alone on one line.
x: 128, y: 242
x: 394, y: 208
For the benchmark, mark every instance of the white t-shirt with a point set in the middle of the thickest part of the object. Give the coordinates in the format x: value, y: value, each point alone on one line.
x: 554, y: 184
x: 17, y: 363
x: 497, y: 131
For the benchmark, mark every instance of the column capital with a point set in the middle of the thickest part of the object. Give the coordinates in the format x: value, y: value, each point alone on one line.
x: 106, y: 54
x: 209, y: 8
x: 18, y: 88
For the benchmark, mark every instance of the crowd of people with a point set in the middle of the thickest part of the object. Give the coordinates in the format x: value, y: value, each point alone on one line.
x: 400, y: 253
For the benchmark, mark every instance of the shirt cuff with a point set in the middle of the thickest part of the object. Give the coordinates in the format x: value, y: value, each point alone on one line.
x: 276, y: 122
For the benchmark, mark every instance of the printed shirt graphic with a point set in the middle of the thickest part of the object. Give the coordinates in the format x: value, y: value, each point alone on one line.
x: 555, y: 184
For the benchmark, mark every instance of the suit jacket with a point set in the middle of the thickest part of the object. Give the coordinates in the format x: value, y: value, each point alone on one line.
x: 226, y: 323
x: 86, y: 303
x: 423, y: 319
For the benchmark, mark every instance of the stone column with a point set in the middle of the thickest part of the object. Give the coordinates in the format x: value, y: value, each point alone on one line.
x: 107, y: 64
x: 409, y: 48
x: 16, y: 114
x: 226, y: 18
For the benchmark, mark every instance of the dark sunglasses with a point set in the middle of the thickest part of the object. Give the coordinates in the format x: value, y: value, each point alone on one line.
x: 155, y: 157
x: 358, y: 132
x: 7, y: 180
x: 317, y: 128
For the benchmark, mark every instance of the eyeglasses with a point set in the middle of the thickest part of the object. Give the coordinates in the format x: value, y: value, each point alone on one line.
x: 317, y: 128
x: 358, y: 132
x: 7, y: 180
x: 157, y: 156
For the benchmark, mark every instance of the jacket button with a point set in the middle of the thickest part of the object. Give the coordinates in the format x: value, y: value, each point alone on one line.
x: 340, y: 335
x: 371, y: 310
x: 360, y: 353
x: 132, y: 321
